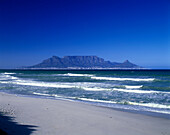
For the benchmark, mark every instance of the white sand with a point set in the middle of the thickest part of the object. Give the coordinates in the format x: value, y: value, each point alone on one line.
x: 57, y: 117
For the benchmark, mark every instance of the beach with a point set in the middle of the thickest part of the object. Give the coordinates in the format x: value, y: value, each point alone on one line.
x: 40, y: 116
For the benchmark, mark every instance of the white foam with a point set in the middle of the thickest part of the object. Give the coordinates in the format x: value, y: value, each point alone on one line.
x: 83, y: 85
x: 133, y: 87
x: 165, y: 112
x: 43, y: 84
x: 153, y: 105
x: 4, y: 76
x: 14, y: 78
x: 138, y: 91
x: 95, y: 89
x: 41, y: 94
x: 6, y: 73
x: 80, y: 85
x: 71, y: 74
x: 96, y: 100
x: 122, y: 79
x: 55, y: 95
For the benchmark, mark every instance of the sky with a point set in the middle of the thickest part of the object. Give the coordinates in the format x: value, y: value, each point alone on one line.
x: 116, y: 30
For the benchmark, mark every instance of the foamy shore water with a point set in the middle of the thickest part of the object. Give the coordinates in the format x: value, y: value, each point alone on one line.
x: 46, y: 116
x: 138, y: 93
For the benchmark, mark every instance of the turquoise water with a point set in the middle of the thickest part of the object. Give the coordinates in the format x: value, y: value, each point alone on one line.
x: 130, y: 90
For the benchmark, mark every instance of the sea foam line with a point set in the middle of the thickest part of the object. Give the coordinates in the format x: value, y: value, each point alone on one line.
x: 44, y: 94
x: 122, y: 79
x: 77, y: 85
x: 42, y: 84
x: 133, y: 87
x: 96, y: 100
x: 95, y: 89
x: 72, y: 74
x: 39, y: 84
x: 107, y: 78
x: 41, y: 94
x: 153, y: 105
x: 122, y: 90
x: 138, y: 91
x: 83, y: 85
x: 4, y: 76
x: 55, y: 95
x: 7, y: 73
x: 130, y: 89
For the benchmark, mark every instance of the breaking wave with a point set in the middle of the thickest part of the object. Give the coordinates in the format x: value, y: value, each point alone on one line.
x: 71, y: 74
x: 138, y: 91
x: 6, y: 76
x: 123, y: 79
x: 151, y: 105
x: 88, y: 89
x: 6, y: 73
x: 133, y: 87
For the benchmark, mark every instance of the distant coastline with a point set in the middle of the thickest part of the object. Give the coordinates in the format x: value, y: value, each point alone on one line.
x: 62, y: 69
x: 79, y: 68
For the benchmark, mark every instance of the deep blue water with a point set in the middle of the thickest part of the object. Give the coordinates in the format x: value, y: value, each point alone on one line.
x: 131, y: 90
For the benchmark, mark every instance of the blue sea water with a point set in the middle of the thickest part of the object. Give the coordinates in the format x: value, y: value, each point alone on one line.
x: 139, y: 90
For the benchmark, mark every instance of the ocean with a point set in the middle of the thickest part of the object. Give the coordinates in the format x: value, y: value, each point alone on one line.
x: 133, y: 90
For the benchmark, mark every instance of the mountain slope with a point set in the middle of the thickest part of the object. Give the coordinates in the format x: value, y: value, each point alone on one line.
x: 82, y: 62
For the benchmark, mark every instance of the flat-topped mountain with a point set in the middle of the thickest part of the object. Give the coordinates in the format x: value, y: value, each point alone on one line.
x: 82, y: 62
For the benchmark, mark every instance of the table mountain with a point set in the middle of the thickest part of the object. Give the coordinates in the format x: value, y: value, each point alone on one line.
x: 82, y: 62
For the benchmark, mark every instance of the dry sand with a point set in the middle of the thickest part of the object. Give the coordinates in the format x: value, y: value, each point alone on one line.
x: 27, y: 115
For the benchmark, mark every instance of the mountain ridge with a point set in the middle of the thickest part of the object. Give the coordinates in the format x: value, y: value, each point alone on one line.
x: 82, y: 62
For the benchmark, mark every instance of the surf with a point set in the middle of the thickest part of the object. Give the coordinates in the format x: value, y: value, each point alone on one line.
x: 123, y: 79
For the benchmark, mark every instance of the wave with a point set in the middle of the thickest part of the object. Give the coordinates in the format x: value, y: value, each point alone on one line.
x: 96, y: 100
x: 4, y: 76
x: 71, y: 74
x: 133, y: 87
x: 150, y: 105
x: 44, y: 94
x: 57, y: 85
x: 43, y: 84
x: 122, y: 79
x: 84, y: 86
x: 157, y: 88
x: 39, y: 84
x: 6, y: 73
x: 138, y: 91
x: 153, y: 105
x: 80, y: 85
x: 95, y: 89
x: 41, y: 94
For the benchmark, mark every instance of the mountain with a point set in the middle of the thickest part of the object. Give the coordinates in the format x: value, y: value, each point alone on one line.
x: 92, y: 62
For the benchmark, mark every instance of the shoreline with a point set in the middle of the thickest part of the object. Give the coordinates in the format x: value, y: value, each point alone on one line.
x: 96, y: 104
x: 31, y: 115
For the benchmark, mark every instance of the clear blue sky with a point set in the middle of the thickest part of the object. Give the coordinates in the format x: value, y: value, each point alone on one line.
x: 116, y: 30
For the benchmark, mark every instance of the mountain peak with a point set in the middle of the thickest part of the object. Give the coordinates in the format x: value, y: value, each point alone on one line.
x: 126, y: 61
